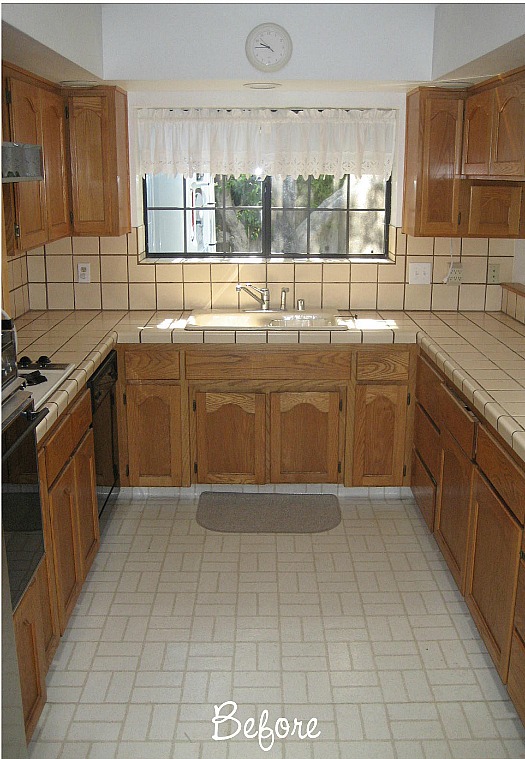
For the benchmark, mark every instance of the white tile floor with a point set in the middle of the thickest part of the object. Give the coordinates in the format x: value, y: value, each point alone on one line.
x: 361, y: 628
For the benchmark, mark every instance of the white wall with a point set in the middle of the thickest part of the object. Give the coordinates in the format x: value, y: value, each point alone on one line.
x: 74, y: 31
x: 204, y: 41
x: 464, y: 32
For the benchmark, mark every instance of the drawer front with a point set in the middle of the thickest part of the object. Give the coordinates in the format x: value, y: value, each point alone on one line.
x: 516, y: 681
x: 428, y: 383
x: 519, y: 612
x: 426, y: 441
x: 383, y: 366
x: 80, y: 417
x: 459, y: 421
x: 502, y: 472
x: 235, y: 364
x: 58, y: 449
x: 161, y: 362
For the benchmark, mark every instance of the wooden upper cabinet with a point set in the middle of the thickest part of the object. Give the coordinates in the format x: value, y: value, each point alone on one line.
x: 55, y: 165
x: 495, y: 210
x: 478, y: 134
x: 98, y: 137
x: 30, y: 197
x: 433, y: 162
x: 494, y: 134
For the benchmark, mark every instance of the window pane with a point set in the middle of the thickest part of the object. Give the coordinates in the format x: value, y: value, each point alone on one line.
x: 239, y: 231
x: 328, y: 192
x: 165, y: 232
x: 289, y: 193
x: 289, y: 232
x: 328, y: 233
x: 241, y: 191
x: 201, y: 233
x: 366, y: 234
x: 367, y: 192
x: 165, y: 191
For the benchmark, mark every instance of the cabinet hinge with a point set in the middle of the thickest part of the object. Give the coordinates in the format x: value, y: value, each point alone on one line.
x: 404, y: 470
x: 408, y: 399
x: 115, y: 471
x: 8, y: 98
x: 195, y: 467
x: 71, y: 217
x: 340, y: 404
x: 459, y: 218
x: 339, y: 467
x: 124, y: 399
x: 17, y: 230
x: 195, y: 409
x: 522, y: 554
x: 127, y: 470
x: 67, y: 111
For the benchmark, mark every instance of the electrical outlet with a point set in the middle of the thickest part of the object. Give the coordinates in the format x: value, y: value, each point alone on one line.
x: 493, y: 274
x: 419, y: 274
x: 455, y: 276
x: 84, y: 273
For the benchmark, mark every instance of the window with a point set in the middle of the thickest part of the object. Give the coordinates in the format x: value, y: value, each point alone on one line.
x: 221, y: 215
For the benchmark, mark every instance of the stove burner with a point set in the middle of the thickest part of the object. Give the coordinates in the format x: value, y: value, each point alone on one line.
x: 34, y: 378
x: 25, y: 362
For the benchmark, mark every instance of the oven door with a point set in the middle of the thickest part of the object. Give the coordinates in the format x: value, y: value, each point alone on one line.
x: 21, y: 507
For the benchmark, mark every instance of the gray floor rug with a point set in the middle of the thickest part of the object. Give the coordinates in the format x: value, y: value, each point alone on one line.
x: 268, y: 512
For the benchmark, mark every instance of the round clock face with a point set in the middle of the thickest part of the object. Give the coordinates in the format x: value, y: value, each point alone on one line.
x: 268, y: 47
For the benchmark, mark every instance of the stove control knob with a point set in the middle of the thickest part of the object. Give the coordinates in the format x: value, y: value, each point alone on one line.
x: 43, y: 361
x: 25, y: 362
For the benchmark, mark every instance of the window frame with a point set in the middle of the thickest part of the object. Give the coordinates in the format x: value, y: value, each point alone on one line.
x: 266, y: 232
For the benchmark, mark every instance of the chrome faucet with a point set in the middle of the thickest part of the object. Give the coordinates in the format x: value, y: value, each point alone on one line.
x: 263, y: 300
x: 284, y: 290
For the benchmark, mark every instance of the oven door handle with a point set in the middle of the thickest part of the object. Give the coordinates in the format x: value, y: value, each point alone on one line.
x: 34, y: 418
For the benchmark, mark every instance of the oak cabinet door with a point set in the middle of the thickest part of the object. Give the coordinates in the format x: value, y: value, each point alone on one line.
x: 424, y: 490
x: 30, y: 197
x: 304, y: 436
x: 230, y: 437
x: 50, y: 629
x: 154, y: 434
x: 64, y: 525
x: 86, y: 501
x: 492, y: 575
x: 508, y: 134
x: 379, y: 435
x: 495, y: 210
x: 31, y: 656
x: 453, y: 508
x: 478, y: 134
x: 56, y: 165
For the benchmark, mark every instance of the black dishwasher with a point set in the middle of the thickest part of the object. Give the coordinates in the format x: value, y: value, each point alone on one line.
x: 103, y: 405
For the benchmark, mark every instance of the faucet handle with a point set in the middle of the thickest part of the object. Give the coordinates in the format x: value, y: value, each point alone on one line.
x: 300, y: 304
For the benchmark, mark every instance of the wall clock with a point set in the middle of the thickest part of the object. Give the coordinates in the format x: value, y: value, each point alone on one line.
x: 268, y: 47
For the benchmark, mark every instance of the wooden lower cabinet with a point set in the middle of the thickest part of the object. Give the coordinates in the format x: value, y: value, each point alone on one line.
x: 424, y: 490
x: 230, y: 437
x: 66, y: 548
x: 47, y: 594
x: 516, y: 681
x: 304, y: 436
x: 29, y: 637
x: 492, y: 574
x: 153, y: 412
x: 379, y: 435
x: 453, y: 508
x: 86, y: 503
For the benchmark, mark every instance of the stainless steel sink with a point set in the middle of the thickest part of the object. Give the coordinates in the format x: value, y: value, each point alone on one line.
x: 272, y: 320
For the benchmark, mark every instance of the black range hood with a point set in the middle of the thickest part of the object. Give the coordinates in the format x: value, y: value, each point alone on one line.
x: 21, y: 162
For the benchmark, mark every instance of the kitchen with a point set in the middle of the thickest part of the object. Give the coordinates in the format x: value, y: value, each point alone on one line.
x: 130, y: 291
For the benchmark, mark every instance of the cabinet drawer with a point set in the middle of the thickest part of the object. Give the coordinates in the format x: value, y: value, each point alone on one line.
x: 236, y: 364
x: 459, y: 421
x: 502, y: 472
x: 516, y: 681
x: 428, y: 383
x: 426, y: 441
x: 519, y: 612
x: 80, y: 418
x: 382, y: 366
x: 161, y: 362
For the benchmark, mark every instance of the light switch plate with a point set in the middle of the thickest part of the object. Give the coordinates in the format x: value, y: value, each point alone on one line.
x: 419, y: 273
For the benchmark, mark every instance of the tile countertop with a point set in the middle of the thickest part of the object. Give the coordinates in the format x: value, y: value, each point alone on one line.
x: 482, y: 353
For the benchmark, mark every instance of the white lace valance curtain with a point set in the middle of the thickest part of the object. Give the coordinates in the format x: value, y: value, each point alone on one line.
x: 283, y: 142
